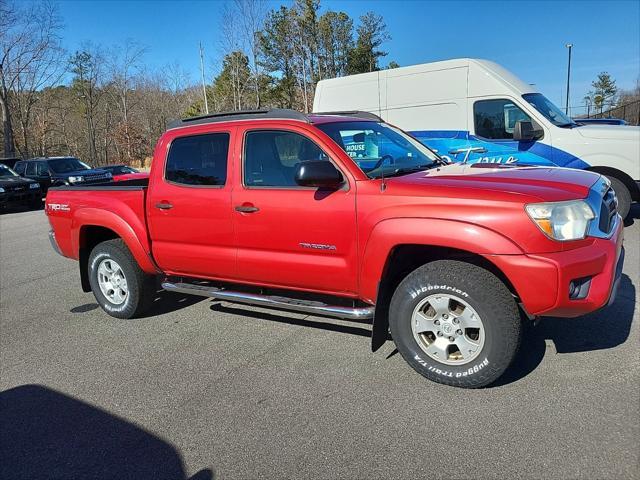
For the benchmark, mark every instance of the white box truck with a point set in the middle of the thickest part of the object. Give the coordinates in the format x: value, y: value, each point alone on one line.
x: 471, y: 110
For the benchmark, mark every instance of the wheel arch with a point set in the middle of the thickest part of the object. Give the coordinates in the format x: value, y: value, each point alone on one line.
x: 620, y: 175
x: 403, y: 259
x: 91, y: 234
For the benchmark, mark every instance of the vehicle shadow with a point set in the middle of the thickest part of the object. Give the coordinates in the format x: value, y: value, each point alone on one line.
x: 164, y: 302
x: 606, y: 328
x: 168, y: 302
x: 48, y: 434
x: 282, y: 317
x: 634, y: 214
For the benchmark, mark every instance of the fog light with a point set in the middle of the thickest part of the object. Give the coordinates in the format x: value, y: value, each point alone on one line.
x: 579, y: 288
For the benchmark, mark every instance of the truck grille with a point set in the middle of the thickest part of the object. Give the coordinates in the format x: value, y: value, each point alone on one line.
x: 98, y: 177
x: 608, y: 211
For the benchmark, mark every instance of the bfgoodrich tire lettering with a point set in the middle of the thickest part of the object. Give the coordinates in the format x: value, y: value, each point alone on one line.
x: 140, y: 287
x: 487, y: 297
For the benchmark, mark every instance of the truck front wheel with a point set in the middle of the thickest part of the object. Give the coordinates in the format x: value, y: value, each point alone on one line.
x: 455, y: 323
x: 120, y: 286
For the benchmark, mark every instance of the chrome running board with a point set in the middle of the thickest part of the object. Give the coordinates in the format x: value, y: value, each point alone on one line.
x: 272, y: 301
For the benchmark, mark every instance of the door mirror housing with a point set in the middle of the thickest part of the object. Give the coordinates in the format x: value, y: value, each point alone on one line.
x: 526, y: 131
x: 319, y: 174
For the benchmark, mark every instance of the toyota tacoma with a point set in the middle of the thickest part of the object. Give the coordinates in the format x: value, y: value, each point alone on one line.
x: 343, y: 215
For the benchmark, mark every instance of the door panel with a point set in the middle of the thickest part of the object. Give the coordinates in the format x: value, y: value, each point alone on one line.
x: 293, y: 237
x: 189, y: 210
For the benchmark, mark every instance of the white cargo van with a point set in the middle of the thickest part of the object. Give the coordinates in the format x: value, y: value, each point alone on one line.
x: 476, y: 111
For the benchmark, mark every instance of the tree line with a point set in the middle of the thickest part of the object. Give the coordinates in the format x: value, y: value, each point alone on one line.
x: 105, y: 105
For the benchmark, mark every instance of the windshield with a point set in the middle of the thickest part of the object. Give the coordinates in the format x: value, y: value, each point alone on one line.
x: 380, y: 149
x: 66, y: 165
x: 6, y: 171
x: 546, y: 107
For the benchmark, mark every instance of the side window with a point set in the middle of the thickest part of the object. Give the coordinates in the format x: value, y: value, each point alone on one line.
x: 198, y: 160
x: 31, y: 169
x: 20, y: 168
x: 496, y: 119
x: 270, y: 157
x: 42, y: 169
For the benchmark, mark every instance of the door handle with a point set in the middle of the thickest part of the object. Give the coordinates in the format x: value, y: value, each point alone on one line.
x: 246, y: 208
x: 164, y: 205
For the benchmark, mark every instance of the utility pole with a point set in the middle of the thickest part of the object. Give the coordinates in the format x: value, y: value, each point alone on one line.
x: 566, y: 109
x: 204, y: 89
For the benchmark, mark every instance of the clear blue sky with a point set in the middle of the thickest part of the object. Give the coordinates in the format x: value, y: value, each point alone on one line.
x: 527, y: 37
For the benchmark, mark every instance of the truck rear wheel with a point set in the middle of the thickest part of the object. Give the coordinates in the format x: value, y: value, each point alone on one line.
x: 455, y: 323
x: 120, y: 286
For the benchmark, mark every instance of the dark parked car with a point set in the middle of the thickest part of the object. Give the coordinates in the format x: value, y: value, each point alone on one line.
x: 600, y: 121
x: 56, y: 171
x: 9, y: 161
x: 17, y: 191
x: 119, y: 169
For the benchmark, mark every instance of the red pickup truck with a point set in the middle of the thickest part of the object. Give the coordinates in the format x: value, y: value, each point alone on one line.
x: 343, y: 215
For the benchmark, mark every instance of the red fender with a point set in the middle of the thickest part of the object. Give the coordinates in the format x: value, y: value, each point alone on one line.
x: 388, y: 234
x: 131, y: 230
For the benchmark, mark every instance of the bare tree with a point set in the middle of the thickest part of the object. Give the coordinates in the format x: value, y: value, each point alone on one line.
x: 29, y: 58
x: 88, y: 66
x: 125, y: 65
x: 250, y: 15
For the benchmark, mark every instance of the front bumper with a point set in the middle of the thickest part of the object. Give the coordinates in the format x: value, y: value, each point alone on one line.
x: 542, y: 281
x: 20, y: 197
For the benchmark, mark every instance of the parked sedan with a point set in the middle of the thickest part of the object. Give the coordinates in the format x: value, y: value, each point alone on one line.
x: 124, y: 172
x: 18, y: 191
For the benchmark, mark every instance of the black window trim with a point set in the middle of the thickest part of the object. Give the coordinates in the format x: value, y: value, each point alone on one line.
x: 200, y: 134
x: 346, y: 186
x: 507, y: 99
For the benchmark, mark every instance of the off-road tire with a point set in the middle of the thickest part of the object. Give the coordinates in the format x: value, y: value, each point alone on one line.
x: 486, y: 294
x: 623, y: 194
x: 141, y: 287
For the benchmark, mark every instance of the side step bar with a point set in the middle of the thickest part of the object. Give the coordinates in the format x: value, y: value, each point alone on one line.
x: 272, y: 301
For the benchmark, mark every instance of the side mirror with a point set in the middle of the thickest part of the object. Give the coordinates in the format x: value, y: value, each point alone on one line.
x: 526, y: 131
x: 318, y: 173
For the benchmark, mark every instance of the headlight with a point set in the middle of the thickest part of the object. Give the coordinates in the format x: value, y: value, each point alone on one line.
x: 33, y: 186
x: 1, y: 190
x: 76, y: 179
x: 562, y: 220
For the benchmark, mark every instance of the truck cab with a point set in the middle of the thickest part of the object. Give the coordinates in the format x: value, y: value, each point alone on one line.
x: 345, y: 216
x: 472, y: 110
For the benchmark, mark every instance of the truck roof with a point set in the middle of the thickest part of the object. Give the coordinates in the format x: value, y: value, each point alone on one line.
x: 275, y: 114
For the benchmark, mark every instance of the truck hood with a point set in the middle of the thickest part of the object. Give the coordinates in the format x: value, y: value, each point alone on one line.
x: 610, y: 132
x: 542, y: 183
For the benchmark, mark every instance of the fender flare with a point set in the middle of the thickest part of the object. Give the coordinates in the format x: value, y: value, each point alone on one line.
x: 138, y: 247
x: 389, y: 234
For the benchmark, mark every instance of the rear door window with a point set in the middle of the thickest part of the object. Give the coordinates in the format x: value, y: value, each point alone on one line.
x: 198, y: 160
x: 31, y: 169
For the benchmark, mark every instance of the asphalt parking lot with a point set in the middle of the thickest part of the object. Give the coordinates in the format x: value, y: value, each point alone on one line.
x: 202, y: 389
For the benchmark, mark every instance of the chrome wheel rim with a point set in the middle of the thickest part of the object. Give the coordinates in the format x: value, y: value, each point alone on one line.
x: 448, y: 329
x: 112, y: 282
